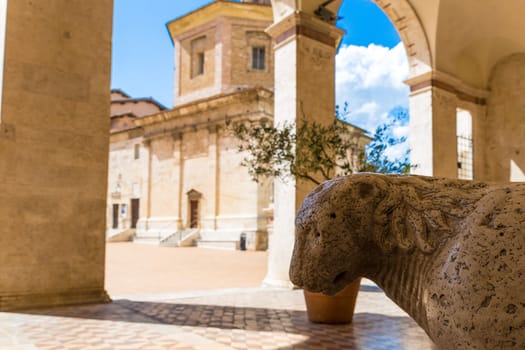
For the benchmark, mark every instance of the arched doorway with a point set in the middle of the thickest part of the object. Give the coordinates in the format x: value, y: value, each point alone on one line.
x: 194, y: 198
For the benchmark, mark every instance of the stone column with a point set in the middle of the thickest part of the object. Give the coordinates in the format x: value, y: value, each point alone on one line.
x: 210, y: 215
x: 433, y: 141
x: 305, y: 49
x: 178, y: 157
x: 434, y: 100
x: 54, y: 153
x: 145, y: 202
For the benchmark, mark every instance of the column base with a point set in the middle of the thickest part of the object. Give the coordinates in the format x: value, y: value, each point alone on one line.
x: 277, y: 283
x: 10, y: 302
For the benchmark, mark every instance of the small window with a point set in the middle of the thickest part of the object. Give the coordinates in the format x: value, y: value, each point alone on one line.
x: 200, y: 64
x: 137, y: 151
x: 198, y: 56
x: 258, y: 58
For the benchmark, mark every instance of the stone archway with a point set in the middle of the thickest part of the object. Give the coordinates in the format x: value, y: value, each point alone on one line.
x: 405, y: 20
x: 306, y: 41
x: 401, y: 13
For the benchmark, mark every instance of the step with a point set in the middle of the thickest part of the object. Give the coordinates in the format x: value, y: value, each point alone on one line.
x: 222, y: 244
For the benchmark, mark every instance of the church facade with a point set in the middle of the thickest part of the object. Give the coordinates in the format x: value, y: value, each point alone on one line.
x: 174, y: 175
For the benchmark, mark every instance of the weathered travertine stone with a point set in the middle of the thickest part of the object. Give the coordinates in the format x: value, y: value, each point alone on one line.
x: 450, y: 253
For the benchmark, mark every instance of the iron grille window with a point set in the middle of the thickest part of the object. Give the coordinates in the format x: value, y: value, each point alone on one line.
x: 465, y: 158
x: 258, y: 58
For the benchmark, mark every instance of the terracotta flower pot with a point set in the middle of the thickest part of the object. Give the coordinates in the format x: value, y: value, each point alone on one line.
x: 337, y: 309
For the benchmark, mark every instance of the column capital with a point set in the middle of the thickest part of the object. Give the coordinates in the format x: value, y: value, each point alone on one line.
x: 449, y: 83
x: 304, y: 24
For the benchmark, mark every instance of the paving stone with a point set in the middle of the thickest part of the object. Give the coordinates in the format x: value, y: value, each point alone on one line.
x: 215, y: 323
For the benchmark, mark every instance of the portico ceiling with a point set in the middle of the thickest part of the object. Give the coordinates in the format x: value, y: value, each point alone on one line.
x: 473, y: 36
x: 465, y: 39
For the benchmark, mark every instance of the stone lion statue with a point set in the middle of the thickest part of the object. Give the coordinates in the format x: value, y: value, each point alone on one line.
x: 450, y: 253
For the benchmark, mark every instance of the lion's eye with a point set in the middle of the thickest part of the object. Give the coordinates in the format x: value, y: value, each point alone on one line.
x: 333, y: 216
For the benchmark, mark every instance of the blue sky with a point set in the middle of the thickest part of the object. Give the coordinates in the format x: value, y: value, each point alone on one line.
x: 371, y: 63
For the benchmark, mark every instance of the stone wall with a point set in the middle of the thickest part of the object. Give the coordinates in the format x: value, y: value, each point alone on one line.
x: 191, y: 152
x: 128, y: 177
x: 53, y: 152
x: 208, y: 163
x: 505, y: 123
x: 189, y: 80
x: 244, y: 36
x: 227, y: 41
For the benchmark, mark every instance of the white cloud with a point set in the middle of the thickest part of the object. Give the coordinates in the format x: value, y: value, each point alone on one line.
x: 369, y: 108
x: 400, y: 131
x: 371, y: 79
x: 397, y: 152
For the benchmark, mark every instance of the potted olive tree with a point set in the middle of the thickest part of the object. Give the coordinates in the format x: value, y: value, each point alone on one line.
x: 310, y: 152
x: 316, y: 152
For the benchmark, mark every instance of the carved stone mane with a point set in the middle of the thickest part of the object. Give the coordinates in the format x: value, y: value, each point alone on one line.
x: 419, y: 212
x: 450, y: 253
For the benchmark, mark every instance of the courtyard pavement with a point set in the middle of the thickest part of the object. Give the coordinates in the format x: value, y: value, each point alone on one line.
x: 242, y: 316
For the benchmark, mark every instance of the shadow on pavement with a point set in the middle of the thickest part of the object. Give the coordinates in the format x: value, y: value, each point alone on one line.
x: 368, y: 330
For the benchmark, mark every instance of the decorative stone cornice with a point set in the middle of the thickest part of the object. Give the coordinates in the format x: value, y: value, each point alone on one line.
x: 448, y: 83
x: 301, y: 23
x: 215, y: 10
x: 207, y: 114
x: 204, y: 105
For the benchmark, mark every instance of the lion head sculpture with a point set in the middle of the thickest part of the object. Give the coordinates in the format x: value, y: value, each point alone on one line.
x: 347, y: 225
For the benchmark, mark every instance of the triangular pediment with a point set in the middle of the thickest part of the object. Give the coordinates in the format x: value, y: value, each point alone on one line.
x: 193, y: 194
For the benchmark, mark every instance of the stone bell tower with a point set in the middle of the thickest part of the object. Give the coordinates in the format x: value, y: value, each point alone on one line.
x: 222, y: 48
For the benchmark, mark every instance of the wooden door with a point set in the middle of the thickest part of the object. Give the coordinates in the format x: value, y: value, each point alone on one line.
x: 115, y: 215
x: 134, y: 212
x: 194, y: 214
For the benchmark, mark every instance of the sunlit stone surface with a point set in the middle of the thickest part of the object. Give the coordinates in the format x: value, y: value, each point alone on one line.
x: 450, y: 253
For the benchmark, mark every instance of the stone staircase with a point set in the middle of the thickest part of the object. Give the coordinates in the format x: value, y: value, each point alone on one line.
x: 182, y: 238
x: 219, y: 240
x: 114, y: 236
x: 218, y: 244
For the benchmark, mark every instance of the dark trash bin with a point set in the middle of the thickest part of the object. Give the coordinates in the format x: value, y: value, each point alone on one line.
x: 242, y: 243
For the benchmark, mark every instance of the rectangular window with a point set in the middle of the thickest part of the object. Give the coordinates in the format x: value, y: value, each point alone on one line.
x: 198, y: 56
x: 258, y: 58
x: 137, y: 151
x: 200, y: 63
x: 464, y: 145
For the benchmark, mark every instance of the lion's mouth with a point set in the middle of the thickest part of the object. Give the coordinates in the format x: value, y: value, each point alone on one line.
x: 340, y: 277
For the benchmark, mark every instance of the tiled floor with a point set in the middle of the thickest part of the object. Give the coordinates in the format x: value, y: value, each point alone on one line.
x: 224, y: 319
